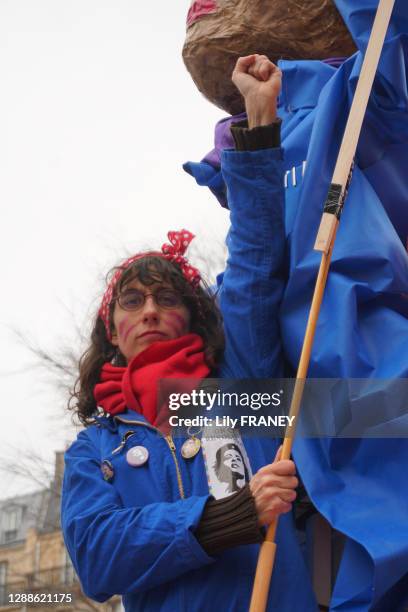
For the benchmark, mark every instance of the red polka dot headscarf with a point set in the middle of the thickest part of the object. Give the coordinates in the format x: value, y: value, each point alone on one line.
x: 174, y: 252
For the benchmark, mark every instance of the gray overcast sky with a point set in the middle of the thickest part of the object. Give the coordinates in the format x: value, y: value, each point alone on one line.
x: 97, y: 114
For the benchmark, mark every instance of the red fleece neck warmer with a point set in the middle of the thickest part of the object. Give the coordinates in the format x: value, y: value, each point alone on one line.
x: 136, y: 386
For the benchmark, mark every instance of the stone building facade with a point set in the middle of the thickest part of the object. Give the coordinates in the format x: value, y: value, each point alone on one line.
x: 35, y: 569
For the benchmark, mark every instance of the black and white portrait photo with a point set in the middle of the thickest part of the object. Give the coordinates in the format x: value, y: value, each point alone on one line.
x: 226, y: 461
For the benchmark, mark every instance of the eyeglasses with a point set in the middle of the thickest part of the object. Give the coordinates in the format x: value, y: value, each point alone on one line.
x: 133, y: 299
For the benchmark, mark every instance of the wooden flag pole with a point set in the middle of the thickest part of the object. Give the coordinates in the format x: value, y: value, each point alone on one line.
x: 325, y: 243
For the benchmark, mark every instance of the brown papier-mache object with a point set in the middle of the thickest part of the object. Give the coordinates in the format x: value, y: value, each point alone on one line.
x: 280, y: 29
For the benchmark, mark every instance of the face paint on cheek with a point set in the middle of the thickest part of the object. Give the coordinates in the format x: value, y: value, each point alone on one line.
x: 177, y: 323
x: 124, y: 328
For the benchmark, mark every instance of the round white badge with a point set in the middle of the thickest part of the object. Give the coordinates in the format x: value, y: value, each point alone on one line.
x: 137, y: 456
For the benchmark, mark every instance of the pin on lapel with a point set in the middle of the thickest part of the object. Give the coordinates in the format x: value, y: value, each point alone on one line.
x: 137, y: 456
x: 107, y: 470
x: 190, y: 448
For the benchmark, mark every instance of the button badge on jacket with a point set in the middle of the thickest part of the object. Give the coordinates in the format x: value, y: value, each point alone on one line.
x: 190, y: 448
x: 107, y: 470
x: 137, y: 456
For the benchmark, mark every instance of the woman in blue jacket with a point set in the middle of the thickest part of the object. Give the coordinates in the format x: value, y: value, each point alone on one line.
x: 137, y: 513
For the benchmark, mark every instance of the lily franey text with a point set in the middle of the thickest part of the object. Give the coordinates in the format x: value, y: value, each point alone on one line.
x: 227, y: 421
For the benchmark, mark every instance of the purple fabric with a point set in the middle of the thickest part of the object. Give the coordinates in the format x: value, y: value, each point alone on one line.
x: 222, y: 139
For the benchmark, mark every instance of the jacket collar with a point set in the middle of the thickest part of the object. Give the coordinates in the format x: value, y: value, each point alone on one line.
x: 130, y: 416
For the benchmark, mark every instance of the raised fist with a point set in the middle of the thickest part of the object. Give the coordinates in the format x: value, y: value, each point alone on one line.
x: 259, y: 81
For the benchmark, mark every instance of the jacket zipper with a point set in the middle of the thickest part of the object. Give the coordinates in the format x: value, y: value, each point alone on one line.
x: 170, y: 444
x: 172, y: 448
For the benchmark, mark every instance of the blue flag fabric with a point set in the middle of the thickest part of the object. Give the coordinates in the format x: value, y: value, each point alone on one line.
x: 361, y: 486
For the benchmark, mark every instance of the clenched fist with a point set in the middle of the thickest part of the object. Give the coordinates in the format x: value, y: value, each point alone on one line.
x: 259, y: 82
x: 273, y: 488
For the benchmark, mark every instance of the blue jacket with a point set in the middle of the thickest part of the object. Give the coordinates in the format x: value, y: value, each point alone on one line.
x: 363, y: 324
x: 135, y: 535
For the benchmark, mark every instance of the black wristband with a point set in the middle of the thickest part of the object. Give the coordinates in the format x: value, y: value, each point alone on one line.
x: 262, y: 137
x: 229, y: 522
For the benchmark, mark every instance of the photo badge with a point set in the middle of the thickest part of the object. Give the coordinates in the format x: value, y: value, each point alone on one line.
x: 226, y: 461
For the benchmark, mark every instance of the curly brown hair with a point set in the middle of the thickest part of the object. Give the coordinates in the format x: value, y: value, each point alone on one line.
x: 206, y: 321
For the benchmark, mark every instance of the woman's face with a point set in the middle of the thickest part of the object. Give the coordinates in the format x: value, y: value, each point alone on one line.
x: 135, y: 330
x: 233, y: 460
